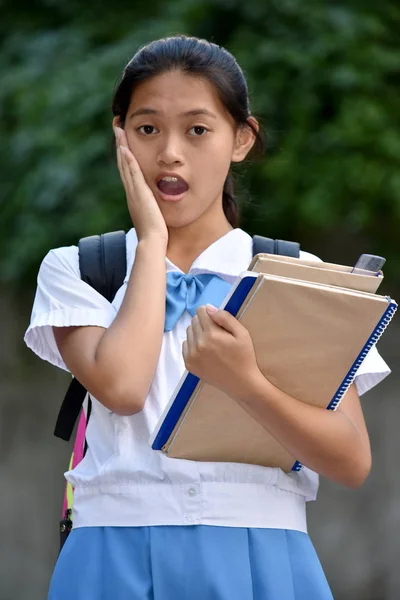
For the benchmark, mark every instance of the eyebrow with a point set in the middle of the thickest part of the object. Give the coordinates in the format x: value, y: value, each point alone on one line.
x: 146, y: 110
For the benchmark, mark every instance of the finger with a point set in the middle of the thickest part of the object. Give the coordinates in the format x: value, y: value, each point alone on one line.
x: 191, y: 339
x: 121, y: 169
x: 206, y: 322
x: 133, y: 167
x: 196, y: 327
x: 128, y: 179
x: 119, y: 162
x: 120, y: 136
x: 130, y: 161
x: 227, y: 321
x: 123, y: 140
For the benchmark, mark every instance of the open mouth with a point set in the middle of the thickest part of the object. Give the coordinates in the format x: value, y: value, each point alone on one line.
x: 172, y: 185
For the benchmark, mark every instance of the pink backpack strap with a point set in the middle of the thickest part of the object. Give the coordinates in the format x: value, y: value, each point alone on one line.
x: 76, y: 457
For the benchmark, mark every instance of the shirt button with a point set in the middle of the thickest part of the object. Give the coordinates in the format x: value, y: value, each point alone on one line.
x: 191, y: 492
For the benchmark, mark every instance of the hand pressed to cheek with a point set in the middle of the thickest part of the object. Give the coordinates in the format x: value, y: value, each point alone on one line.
x: 219, y: 350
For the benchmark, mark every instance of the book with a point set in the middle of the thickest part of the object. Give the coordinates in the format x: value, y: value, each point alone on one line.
x: 310, y: 339
x: 319, y: 272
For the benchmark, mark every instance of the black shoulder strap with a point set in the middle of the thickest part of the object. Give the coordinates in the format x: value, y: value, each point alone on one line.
x: 102, y: 263
x: 262, y: 245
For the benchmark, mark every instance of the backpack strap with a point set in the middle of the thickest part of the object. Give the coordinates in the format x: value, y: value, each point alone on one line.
x: 263, y: 245
x: 102, y: 263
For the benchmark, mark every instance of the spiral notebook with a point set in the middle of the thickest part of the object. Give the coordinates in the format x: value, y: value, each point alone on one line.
x: 310, y: 339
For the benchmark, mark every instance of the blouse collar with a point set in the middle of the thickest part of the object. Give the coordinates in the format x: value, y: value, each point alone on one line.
x: 227, y: 257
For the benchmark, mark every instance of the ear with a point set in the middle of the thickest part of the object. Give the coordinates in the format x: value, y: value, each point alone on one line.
x: 245, y: 139
x: 116, y: 122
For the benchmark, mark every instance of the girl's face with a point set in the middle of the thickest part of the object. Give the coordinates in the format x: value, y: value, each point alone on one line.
x: 176, y: 125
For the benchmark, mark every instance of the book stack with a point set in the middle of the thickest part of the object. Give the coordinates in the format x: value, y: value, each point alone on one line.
x: 312, y: 325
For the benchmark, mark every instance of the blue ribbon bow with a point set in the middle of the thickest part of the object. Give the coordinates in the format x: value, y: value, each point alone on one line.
x: 188, y: 292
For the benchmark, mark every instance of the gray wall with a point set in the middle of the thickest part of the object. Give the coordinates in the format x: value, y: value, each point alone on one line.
x: 355, y: 532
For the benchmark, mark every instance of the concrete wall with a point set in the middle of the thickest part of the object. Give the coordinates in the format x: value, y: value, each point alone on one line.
x: 355, y: 532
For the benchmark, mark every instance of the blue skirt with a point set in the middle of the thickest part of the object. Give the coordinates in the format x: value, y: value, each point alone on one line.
x: 197, y: 562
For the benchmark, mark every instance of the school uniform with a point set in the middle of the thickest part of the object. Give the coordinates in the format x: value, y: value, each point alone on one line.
x: 147, y: 526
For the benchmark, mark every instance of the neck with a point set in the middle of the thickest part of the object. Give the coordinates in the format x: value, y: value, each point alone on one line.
x: 185, y: 244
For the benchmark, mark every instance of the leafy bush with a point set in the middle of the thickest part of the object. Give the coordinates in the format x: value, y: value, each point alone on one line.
x: 323, y: 78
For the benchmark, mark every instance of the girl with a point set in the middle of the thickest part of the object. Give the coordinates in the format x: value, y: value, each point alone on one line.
x: 147, y: 526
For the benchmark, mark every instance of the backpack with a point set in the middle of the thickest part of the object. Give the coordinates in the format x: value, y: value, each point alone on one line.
x: 102, y: 263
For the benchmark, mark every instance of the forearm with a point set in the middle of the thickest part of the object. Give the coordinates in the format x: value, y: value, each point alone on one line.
x: 325, y: 441
x: 128, y: 352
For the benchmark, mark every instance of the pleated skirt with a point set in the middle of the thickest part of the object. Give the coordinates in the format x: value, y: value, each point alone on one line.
x: 197, y: 562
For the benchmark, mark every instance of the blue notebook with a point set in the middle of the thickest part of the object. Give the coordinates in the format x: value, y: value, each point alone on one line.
x: 320, y: 335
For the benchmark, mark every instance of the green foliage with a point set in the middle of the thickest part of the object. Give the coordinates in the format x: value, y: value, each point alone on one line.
x: 323, y: 77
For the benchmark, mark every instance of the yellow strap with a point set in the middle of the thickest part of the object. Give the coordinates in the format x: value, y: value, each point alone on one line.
x: 70, y: 492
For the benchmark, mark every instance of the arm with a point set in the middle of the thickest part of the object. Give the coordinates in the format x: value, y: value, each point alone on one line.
x: 117, y: 364
x: 332, y: 443
x: 220, y: 351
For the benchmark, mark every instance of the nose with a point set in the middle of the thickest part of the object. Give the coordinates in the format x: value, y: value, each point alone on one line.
x: 170, y: 151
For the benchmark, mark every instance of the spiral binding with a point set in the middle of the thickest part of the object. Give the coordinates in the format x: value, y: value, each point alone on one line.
x: 348, y: 380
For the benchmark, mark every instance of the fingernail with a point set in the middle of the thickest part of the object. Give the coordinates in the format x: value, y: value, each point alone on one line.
x: 211, y: 309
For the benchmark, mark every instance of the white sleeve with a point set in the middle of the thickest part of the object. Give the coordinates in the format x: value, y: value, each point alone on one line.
x: 372, y: 371
x: 62, y: 299
x: 310, y: 257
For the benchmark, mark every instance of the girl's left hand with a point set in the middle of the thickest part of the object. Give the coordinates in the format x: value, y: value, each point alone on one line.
x: 219, y: 350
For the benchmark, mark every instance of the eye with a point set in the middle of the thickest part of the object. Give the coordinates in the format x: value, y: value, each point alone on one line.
x: 199, y: 130
x: 147, y: 129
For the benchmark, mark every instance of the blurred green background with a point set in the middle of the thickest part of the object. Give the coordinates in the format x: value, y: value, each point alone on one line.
x: 324, y: 79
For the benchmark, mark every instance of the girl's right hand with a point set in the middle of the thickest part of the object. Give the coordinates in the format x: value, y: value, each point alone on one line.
x: 143, y: 208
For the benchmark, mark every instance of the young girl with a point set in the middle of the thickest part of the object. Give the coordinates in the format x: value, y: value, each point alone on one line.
x: 147, y: 526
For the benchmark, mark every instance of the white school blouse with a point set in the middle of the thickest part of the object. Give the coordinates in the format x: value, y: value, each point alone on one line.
x: 121, y: 480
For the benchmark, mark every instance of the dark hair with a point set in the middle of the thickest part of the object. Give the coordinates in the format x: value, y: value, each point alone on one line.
x: 196, y: 57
